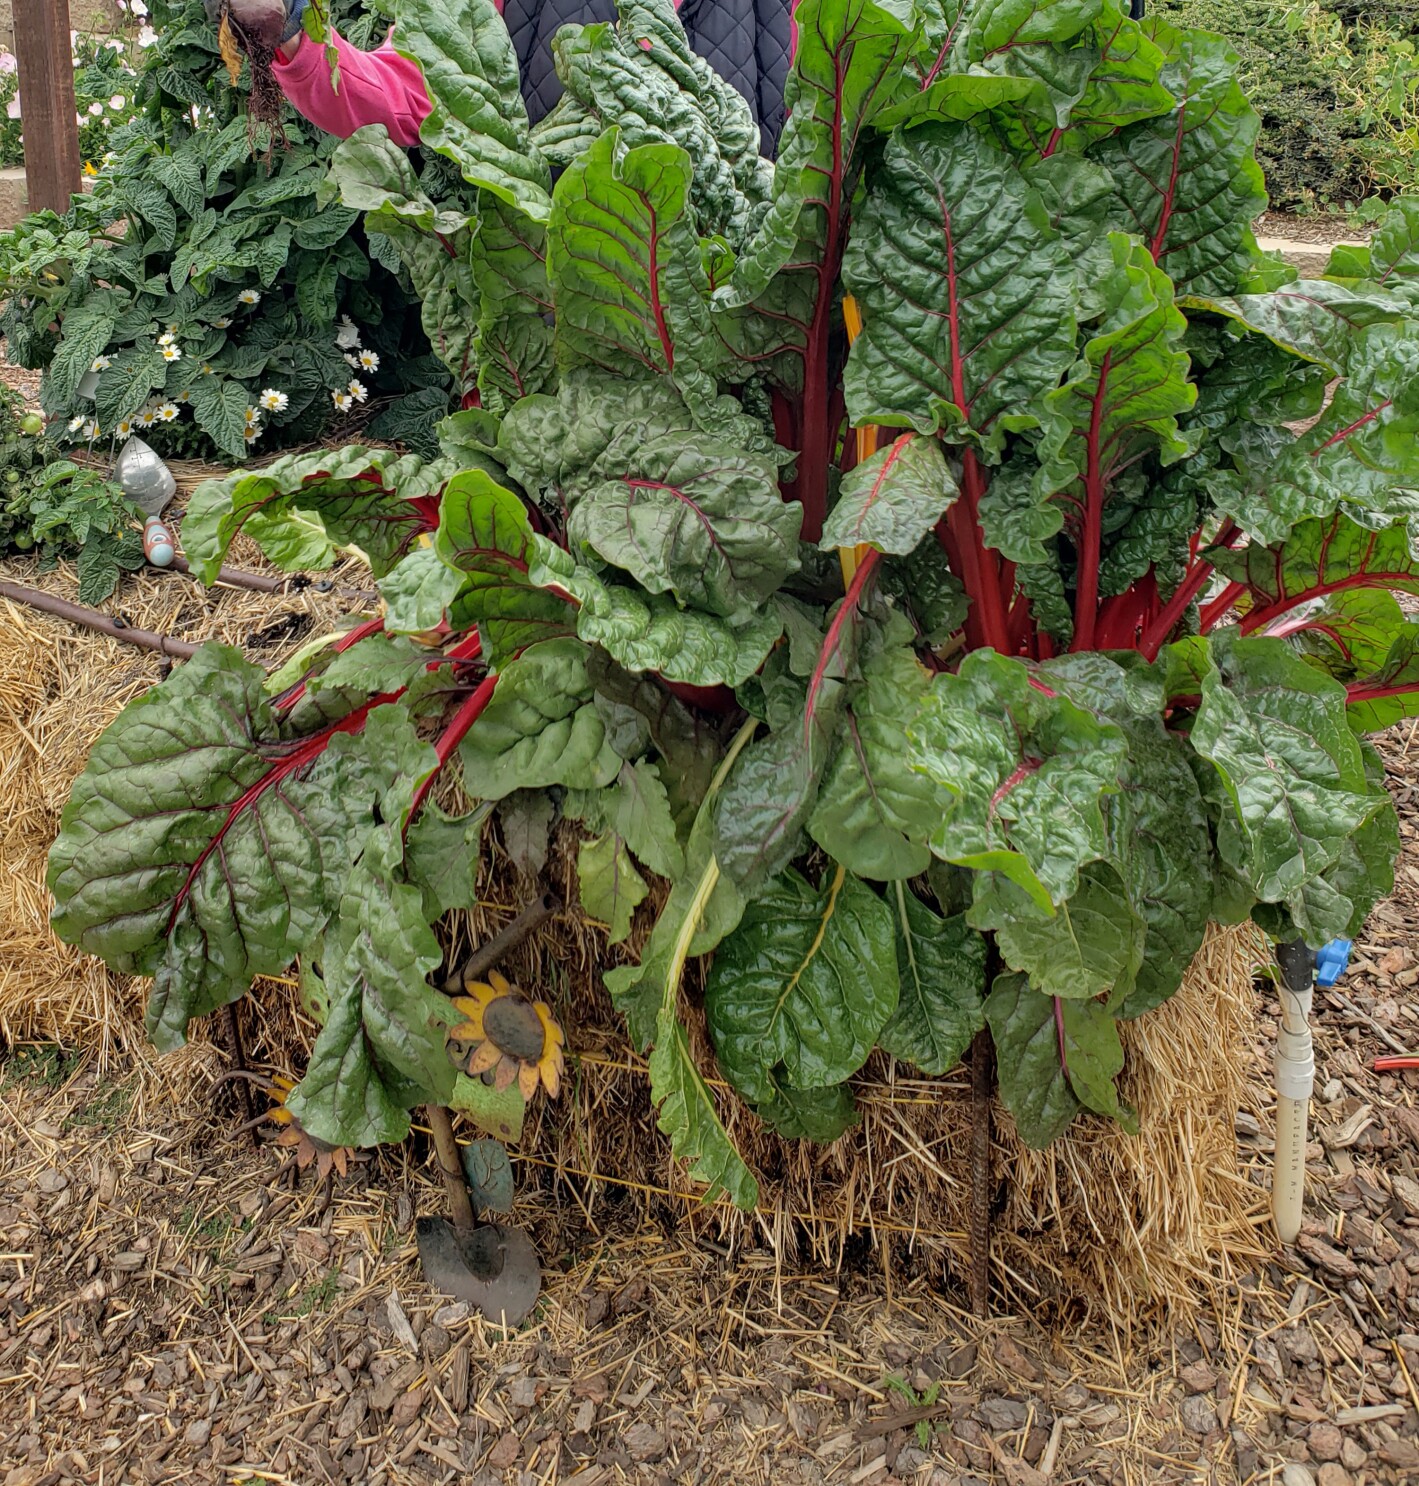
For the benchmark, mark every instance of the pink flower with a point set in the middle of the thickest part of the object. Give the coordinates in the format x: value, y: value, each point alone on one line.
x: 7, y: 62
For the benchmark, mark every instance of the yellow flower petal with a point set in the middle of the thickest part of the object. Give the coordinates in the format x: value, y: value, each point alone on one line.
x: 485, y: 1056
x: 527, y: 1078
x: 508, y: 1070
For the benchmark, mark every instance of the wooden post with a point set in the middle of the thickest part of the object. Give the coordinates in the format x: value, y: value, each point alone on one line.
x: 46, y: 67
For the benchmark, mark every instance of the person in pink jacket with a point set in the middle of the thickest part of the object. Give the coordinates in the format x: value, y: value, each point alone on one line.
x: 747, y: 40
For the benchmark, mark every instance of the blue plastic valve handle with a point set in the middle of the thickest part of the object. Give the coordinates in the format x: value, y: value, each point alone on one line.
x: 1332, y: 961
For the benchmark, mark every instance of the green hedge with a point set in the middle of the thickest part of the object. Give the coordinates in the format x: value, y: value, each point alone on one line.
x: 1316, y: 146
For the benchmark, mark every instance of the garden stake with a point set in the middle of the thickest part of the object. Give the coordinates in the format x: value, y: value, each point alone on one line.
x: 477, y: 965
x: 493, y: 1267
x: 982, y: 1080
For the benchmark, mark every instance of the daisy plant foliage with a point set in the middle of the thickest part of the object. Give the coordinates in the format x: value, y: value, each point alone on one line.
x: 952, y: 557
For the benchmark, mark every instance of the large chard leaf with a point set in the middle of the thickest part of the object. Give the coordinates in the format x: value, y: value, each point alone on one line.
x: 1186, y: 180
x: 203, y: 849
x: 478, y: 118
x: 1312, y: 318
x: 966, y: 289
x: 643, y: 79
x: 1053, y: 1058
x: 382, y: 1049
x: 873, y: 810
x: 1022, y: 40
x: 650, y: 632
x: 541, y: 727
x: 1361, y: 458
x: 941, y: 966
x: 1024, y: 772
x: 806, y: 981
x: 300, y: 507
x: 1293, y: 773
x: 686, y: 513
x: 1120, y: 401
x: 624, y: 264
x: 893, y: 499
x: 847, y: 68
x: 1317, y: 559
x: 485, y: 538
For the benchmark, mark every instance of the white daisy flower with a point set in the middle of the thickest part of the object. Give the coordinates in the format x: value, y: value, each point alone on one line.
x: 221, y: 323
x: 125, y: 427
x: 100, y: 363
x: 165, y: 412
x: 342, y: 400
x: 249, y: 296
x: 253, y: 415
x: 147, y: 418
x: 167, y: 338
x: 358, y: 391
x: 184, y: 395
x: 369, y: 360
x: 91, y: 429
x: 347, y: 334
x: 351, y: 359
x: 206, y: 368
x: 76, y: 423
x: 171, y: 353
x: 251, y: 432
x: 274, y: 401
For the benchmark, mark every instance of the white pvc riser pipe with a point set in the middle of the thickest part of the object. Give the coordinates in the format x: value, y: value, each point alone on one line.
x: 1295, y: 1078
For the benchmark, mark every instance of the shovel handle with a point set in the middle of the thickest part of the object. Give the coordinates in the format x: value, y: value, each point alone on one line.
x: 460, y: 1205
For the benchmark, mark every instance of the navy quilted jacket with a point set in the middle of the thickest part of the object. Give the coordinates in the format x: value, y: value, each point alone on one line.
x: 746, y: 41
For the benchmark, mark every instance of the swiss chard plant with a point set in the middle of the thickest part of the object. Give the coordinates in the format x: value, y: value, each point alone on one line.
x: 953, y: 556
x: 200, y: 273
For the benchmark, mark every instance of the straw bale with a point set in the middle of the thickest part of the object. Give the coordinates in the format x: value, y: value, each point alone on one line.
x: 1100, y: 1221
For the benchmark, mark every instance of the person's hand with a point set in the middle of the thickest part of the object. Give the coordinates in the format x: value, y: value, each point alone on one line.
x: 270, y: 23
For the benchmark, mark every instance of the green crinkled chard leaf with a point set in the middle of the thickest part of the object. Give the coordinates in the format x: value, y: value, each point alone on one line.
x: 201, y: 848
x: 1120, y: 401
x: 1090, y: 946
x: 1186, y: 180
x: 893, y: 499
x: 809, y: 1114
x: 642, y: 78
x: 301, y: 506
x: 874, y: 809
x: 541, y: 728
x: 941, y: 965
x: 966, y: 290
x: 1312, y: 318
x: 807, y: 980
x: 650, y: 632
x: 847, y: 68
x: 1024, y: 772
x: 1275, y: 730
x: 372, y: 174
x: 382, y: 1049
x: 1053, y: 1058
x: 478, y: 119
x: 1361, y: 458
x: 1318, y: 558
x: 484, y: 535
x: 611, y: 888
x: 624, y: 263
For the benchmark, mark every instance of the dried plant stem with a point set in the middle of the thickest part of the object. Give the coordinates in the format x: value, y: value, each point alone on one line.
x: 239, y: 1063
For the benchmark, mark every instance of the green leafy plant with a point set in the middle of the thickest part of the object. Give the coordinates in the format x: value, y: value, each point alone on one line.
x: 906, y: 550
x: 56, y: 510
x: 199, y: 289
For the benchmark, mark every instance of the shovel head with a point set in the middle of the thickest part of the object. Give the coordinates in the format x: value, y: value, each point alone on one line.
x: 491, y: 1267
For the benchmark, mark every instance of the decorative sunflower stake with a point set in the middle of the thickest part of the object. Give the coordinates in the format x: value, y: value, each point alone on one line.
x: 309, y: 1150
x: 507, y: 1036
